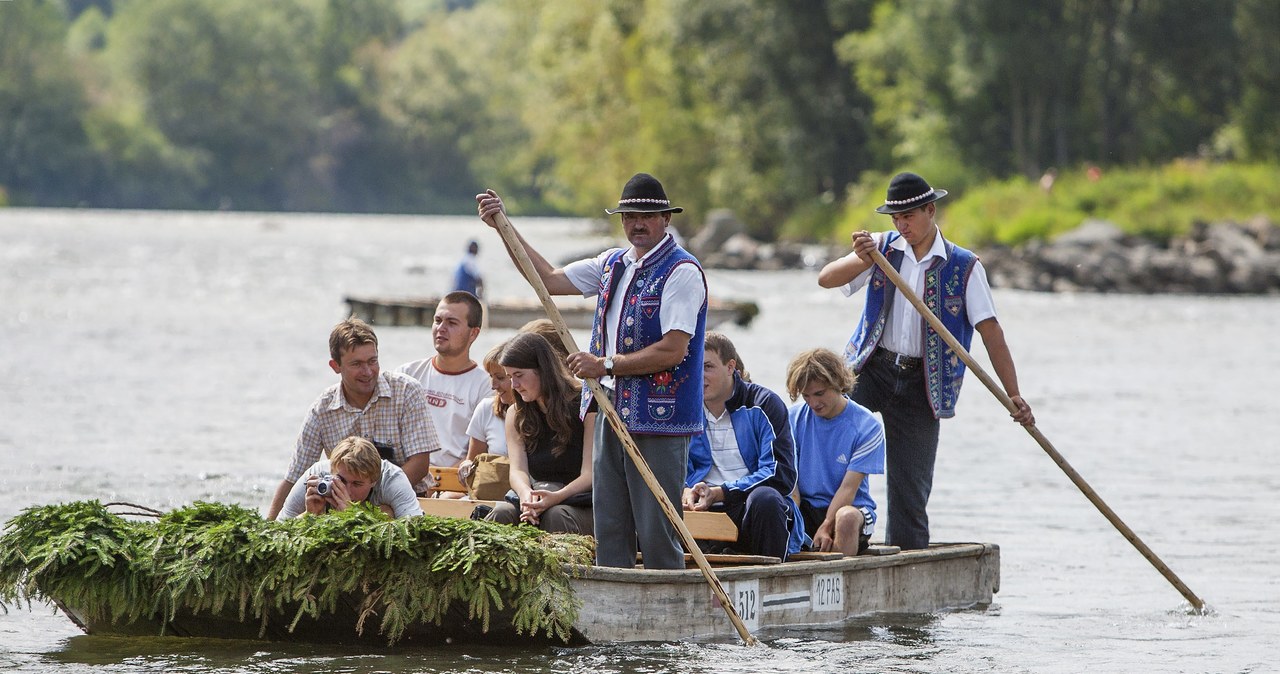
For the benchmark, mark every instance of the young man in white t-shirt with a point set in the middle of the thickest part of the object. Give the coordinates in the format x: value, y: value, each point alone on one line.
x: 454, y: 384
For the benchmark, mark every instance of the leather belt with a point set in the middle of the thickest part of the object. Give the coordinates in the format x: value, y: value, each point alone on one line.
x: 898, y: 360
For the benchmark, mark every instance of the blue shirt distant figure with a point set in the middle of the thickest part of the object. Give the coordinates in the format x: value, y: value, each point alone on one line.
x: 467, y: 276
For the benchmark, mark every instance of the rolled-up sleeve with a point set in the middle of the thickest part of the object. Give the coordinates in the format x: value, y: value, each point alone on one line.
x: 417, y: 432
x: 682, y: 298
x: 310, y: 446
x: 585, y: 274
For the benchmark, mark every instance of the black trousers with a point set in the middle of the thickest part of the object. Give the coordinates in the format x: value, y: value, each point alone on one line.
x: 763, y: 519
x: 911, y: 435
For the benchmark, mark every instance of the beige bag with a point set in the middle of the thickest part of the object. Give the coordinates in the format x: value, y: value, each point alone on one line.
x: 490, y: 479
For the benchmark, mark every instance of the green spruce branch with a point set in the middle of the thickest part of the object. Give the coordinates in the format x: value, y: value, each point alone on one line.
x: 217, y: 559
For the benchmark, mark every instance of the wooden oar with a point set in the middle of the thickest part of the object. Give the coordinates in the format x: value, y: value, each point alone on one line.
x: 606, y: 408
x: 907, y: 292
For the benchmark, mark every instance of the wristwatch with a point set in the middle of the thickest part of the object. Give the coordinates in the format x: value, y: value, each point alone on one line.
x: 608, y: 365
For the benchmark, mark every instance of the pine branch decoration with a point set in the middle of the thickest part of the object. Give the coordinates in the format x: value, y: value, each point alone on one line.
x: 219, y: 559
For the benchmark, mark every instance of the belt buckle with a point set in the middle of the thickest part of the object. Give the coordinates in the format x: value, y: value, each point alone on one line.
x: 902, y: 361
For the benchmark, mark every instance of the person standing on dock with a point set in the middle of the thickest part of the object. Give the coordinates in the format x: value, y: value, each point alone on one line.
x: 646, y: 349
x: 387, y: 408
x: 744, y: 463
x: 907, y: 372
x: 467, y: 276
x: 453, y: 383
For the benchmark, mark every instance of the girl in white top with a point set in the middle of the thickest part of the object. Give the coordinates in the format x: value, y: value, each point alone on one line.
x: 487, y: 431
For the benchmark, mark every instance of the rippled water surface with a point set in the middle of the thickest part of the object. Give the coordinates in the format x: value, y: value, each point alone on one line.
x: 161, y: 358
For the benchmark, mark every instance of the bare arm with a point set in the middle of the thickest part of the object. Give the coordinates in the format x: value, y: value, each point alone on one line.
x: 489, y: 205
x: 520, y: 479
x: 824, y: 538
x: 582, y: 483
x: 1002, y: 363
x: 664, y: 354
x: 843, y: 270
x: 277, y: 501
x: 476, y: 448
x: 416, y: 467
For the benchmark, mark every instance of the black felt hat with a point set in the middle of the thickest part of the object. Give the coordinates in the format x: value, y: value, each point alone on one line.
x: 644, y: 194
x: 908, y: 191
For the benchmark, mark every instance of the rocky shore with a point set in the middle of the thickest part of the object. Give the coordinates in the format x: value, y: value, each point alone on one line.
x: 1214, y: 258
x: 1218, y: 258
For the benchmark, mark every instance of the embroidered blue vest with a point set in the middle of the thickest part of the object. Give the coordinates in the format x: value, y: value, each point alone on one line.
x: 945, y: 283
x: 662, y: 403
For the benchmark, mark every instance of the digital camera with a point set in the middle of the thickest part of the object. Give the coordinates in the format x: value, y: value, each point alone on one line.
x: 325, y: 485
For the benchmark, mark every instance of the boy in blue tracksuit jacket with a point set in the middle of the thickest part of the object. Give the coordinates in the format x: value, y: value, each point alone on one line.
x: 744, y: 463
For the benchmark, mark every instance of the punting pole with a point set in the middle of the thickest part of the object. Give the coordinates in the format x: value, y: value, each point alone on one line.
x: 1048, y: 447
x: 606, y: 408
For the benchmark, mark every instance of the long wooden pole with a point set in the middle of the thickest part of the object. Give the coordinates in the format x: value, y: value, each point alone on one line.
x: 906, y: 291
x: 606, y: 408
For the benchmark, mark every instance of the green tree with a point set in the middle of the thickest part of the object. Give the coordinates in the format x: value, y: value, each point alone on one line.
x: 1015, y: 86
x: 452, y: 96
x: 45, y: 156
x: 230, y: 79
x: 1258, y: 23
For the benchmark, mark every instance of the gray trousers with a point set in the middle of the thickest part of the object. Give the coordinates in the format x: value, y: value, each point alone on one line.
x: 556, y: 519
x: 626, y: 512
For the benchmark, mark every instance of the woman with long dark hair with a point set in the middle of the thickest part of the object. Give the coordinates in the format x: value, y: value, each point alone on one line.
x: 548, y: 445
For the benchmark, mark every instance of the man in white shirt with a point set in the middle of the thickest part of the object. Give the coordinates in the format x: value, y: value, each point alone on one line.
x: 907, y: 372
x: 646, y: 346
x: 453, y: 383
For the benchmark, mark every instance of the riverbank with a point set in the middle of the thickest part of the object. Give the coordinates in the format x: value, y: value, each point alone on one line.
x: 1218, y: 258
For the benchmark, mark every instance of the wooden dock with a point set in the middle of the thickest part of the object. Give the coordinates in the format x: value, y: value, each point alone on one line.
x: 512, y: 314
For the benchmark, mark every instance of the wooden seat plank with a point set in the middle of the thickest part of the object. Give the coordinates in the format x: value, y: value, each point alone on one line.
x: 707, y: 526
x: 447, y: 479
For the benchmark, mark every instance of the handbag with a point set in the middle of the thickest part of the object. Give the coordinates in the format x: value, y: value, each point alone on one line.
x: 490, y: 477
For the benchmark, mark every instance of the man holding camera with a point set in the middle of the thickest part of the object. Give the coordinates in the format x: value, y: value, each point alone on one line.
x: 353, y: 472
x: 388, y: 408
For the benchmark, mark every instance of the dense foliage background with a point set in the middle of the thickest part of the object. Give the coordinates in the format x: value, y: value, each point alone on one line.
x: 787, y: 112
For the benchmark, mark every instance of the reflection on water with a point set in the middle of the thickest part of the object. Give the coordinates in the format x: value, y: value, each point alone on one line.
x: 161, y: 358
x: 909, y: 630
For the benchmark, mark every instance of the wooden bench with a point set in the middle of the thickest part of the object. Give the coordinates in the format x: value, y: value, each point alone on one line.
x: 707, y: 526
x: 446, y: 479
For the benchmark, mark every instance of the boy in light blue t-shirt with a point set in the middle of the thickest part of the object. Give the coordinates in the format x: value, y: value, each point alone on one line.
x: 838, y: 444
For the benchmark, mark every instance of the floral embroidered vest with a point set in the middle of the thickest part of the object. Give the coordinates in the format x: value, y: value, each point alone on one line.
x: 662, y: 403
x: 945, y: 283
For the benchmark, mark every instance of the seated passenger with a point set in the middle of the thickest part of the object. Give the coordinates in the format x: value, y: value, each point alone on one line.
x: 488, y: 428
x: 838, y: 444
x: 452, y: 383
x: 548, y: 445
x: 544, y: 327
x: 353, y: 472
x: 386, y: 407
x: 744, y: 463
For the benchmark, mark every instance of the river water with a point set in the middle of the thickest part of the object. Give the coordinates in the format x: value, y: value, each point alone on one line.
x: 160, y: 358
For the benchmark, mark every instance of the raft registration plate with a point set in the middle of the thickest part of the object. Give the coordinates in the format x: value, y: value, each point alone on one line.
x: 827, y: 592
x: 747, y: 601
